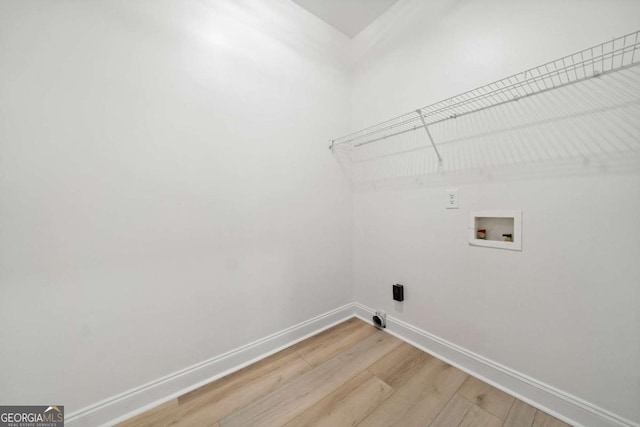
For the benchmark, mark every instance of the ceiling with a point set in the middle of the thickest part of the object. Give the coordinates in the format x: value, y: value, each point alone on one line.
x: 347, y: 16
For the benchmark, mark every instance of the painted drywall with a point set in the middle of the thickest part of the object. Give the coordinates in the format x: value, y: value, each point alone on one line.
x: 166, y: 191
x: 166, y: 194
x: 564, y: 310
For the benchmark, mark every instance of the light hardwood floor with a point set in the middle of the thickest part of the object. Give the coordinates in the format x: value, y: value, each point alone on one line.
x: 351, y: 374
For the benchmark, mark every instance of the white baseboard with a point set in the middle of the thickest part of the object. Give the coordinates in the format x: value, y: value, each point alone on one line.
x: 140, y: 399
x: 558, y: 403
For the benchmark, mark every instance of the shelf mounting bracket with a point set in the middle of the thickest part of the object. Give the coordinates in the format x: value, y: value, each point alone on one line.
x: 433, y: 144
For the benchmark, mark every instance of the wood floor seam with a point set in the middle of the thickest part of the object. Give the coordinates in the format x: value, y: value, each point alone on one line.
x: 462, y: 397
x: 436, y: 418
x: 305, y: 360
x: 383, y: 381
x: 510, y: 408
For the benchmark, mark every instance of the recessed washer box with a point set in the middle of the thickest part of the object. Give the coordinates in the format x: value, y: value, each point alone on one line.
x: 499, y: 226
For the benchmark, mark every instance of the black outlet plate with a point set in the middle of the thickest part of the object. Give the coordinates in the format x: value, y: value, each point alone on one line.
x: 398, y: 292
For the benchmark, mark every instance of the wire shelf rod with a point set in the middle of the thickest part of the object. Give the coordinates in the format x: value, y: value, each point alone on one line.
x: 433, y: 122
x: 616, y: 54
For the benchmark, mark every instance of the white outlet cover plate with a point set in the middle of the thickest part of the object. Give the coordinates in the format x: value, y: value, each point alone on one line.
x: 453, y: 199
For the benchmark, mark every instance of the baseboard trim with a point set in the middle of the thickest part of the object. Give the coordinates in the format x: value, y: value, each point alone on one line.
x: 140, y: 399
x: 558, y: 403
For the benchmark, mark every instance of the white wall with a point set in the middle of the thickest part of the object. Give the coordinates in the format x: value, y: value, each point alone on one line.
x: 166, y: 194
x: 564, y: 310
x: 166, y: 191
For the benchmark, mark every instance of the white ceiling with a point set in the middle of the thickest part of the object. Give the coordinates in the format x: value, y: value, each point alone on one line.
x: 348, y: 16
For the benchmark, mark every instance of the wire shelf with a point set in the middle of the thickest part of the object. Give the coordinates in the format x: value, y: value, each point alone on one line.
x: 614, y: 55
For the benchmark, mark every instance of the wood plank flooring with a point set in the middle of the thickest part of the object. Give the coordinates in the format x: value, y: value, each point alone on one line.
x: 351, y: 374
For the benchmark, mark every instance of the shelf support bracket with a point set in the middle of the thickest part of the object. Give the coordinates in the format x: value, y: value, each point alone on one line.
x: 433, y: 144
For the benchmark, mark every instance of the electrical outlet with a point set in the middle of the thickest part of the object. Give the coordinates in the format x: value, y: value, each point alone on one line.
x: 398, y: 292
x: 453, y: 201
